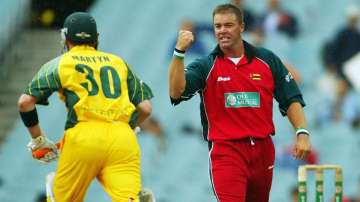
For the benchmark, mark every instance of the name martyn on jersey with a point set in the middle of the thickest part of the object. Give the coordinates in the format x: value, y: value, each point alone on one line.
x: 91, y: 59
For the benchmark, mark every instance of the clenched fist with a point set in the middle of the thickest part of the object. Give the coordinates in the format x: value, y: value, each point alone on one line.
x: 185, y: 38
x: 302, y: 146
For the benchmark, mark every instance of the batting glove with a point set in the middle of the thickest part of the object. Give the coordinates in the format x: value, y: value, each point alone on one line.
x: 146, y: 195
x: 137, y: 130
x: 41, y: 142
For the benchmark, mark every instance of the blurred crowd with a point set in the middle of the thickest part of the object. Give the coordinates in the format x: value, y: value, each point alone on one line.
x: 340, y: 94
x: 335, y: 82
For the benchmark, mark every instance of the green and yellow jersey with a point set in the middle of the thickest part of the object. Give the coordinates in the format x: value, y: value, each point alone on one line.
x: 94, y: 85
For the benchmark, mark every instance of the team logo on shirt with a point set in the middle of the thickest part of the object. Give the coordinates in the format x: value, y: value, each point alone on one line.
x: 255, y: 76
x: 289, y: 77
x: 242, y: 99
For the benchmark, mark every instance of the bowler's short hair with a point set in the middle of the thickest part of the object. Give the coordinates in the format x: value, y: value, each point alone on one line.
x: 229, y: 8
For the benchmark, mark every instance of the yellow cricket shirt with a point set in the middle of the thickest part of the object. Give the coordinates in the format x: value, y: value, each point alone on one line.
x: 94, y: 85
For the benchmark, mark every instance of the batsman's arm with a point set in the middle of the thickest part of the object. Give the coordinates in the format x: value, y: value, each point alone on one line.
x: 140, y: 95
x: 44, y: 83
x: 144, y: 110
x: 30, y: 119
x: 177, y: 81
x: 29, y: 116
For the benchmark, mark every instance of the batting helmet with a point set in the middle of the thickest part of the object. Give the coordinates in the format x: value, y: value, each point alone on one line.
x: 80, y: 28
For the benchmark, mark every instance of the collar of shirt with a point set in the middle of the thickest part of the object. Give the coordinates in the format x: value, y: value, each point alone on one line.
x: 250, y: 53
x: 241, y: 61
x: 82, y: 48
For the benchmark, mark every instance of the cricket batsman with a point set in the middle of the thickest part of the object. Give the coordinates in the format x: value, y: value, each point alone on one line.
x: 105, y: 101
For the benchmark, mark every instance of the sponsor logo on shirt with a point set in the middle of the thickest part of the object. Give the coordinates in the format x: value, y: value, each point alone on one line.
x: 220, y: 78
x: 242, y: 99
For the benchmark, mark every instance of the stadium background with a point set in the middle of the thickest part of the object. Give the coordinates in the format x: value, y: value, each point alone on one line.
x: 175, y: 163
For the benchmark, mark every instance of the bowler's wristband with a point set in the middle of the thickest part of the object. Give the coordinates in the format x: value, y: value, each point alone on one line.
x: 179, y: 54
x: 30, y: 118
x: 302, y: 131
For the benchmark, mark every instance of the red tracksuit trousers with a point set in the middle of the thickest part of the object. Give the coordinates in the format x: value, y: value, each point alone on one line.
x: 242, y: 170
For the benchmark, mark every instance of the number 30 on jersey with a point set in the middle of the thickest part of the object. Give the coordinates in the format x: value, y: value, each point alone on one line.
x: 105, y: 73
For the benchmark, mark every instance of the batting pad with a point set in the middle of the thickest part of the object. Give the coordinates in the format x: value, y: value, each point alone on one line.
x: 49, y: 186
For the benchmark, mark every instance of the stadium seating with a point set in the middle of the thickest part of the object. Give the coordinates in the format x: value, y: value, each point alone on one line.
x: 181, y: 172
x: 12, y: 17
